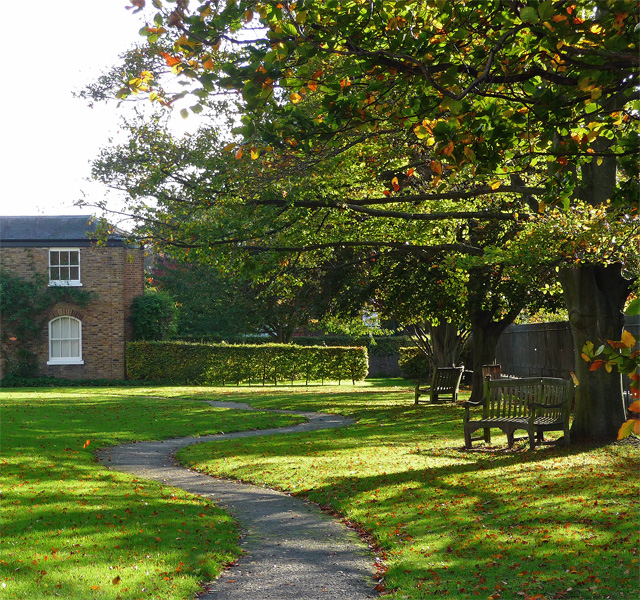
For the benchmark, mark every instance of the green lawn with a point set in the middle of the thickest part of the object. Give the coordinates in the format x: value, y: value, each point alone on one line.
x: 73, y: 530
x: 551, y: 524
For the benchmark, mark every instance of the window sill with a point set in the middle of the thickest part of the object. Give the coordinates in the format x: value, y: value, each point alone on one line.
x: 65, y: 283
x: 65, y: 361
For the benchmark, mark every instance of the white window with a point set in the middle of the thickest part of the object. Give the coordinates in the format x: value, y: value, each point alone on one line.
x: 65, y: 341
x: 64, y: 266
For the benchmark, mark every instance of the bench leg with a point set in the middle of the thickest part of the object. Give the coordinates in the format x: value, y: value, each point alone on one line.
x: 487, y: 435
x: 467, y: 439
x: 532, y: 440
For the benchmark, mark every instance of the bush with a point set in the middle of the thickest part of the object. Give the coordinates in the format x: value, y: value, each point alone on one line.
x: 414, y: 364
x: 153, y: 316
x: 205, y: 364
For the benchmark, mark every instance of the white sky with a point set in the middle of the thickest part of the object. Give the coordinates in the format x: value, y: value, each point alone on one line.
x: 49, y: 137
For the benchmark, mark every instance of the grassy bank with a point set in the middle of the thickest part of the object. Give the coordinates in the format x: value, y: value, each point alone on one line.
x: 489, y: 523
x: 73, y: 530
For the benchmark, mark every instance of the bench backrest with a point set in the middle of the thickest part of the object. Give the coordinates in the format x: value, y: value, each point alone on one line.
x: 447, y: 379
x: 505, y: 398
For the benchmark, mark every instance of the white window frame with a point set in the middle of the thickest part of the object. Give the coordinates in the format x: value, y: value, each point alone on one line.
x: 65, y: 360
x: 64, y: 282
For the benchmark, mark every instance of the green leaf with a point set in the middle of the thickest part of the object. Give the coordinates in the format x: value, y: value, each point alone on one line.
x: 529, y: 15
x: 634, y: 308
x: 545, y: 10
x: 184, y: 113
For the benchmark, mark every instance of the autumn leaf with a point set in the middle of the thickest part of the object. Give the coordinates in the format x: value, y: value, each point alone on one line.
x: 254, y: 154
x: 436, y: 167
x: 86, y: 443
x: 627, y: 339
x: 209, y: 64
x: 410, y: 172
x: 628, y: 428
x: 116, y: 580
x: 494, y: 185
x: 172, y: 61
x: 395, y: 184
x: 448, y: 149
x: 635, y: 407
x: 295, y: 97
x: 596, y: 365
x: 313, y: 85
x: 239, y: 154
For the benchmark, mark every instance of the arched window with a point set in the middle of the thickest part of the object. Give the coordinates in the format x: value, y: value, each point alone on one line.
x: 65, y: 341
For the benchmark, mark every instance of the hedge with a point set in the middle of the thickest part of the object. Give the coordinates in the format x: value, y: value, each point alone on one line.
x: 204, y: 364
x: 376, y: 345
x: 414, y: 364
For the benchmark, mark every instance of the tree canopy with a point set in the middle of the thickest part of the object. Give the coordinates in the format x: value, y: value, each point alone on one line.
x: 486, y: 132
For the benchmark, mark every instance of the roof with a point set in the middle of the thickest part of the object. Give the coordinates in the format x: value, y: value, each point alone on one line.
x: 72, y: 230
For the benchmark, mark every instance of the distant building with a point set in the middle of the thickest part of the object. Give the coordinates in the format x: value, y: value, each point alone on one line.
x: 76, y: 342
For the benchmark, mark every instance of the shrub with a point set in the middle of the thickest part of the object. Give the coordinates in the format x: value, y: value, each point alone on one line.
x: 153, y: 316
x: 183, y: 363
x: 414, y: 364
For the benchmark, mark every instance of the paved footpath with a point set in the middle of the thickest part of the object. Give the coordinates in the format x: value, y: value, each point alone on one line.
x: 292, y: 549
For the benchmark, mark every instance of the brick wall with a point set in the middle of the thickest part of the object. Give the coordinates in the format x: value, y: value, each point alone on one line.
x: 115, y: 275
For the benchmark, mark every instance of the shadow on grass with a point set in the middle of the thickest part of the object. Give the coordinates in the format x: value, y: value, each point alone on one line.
x: 457, y: 522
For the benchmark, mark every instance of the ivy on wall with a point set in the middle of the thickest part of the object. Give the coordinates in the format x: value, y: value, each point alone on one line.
x: 24, y: 307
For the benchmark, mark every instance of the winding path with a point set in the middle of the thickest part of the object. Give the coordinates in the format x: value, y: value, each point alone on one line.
x: 292, y: 549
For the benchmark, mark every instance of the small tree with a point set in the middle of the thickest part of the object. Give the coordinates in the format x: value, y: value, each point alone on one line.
x: 153, y: 316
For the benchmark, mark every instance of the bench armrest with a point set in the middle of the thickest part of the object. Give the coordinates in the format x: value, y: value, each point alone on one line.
x: 470, y: 404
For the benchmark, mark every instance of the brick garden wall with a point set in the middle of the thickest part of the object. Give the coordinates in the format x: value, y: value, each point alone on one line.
x: 115, y: 275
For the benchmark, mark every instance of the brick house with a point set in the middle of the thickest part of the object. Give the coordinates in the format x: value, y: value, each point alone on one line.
x: 76, y: 342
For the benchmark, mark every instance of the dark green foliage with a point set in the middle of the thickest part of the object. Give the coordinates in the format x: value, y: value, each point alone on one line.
x: 24, y: 306
x: 153, y: 316
x: 183, y: 363
x: 21, y: 363
x: 414, y: 364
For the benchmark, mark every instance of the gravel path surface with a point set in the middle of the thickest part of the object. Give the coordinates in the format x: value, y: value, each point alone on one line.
x: 292, y: 549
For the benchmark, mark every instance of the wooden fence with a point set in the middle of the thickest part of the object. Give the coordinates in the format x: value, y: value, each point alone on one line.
x: 544, y: 349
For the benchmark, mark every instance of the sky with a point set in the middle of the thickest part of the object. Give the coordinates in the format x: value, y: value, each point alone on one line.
x: 48, y: 136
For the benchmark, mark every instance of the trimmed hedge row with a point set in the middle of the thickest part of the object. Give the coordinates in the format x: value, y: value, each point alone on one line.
x: 203, y: 364
x: 376, y: 345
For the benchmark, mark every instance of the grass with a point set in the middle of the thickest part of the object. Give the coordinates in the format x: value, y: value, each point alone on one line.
x: 74, y: 530
x: 490, y: 523
x: 556, y: 523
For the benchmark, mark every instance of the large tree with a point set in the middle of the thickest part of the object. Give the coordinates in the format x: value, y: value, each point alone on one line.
x: 531, y: 102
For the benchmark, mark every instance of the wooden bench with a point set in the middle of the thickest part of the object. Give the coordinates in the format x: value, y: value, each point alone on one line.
x: 535, y: 404
x: 444, y: 382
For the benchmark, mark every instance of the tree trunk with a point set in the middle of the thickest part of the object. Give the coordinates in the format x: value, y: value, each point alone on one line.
x: 442, y: 344
x: 484, y: 341
x: 448, y: 342
x: 595, y: 296
x: 489, y: 318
